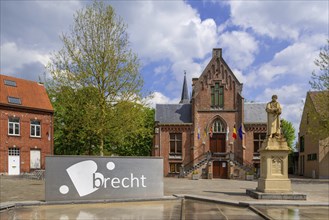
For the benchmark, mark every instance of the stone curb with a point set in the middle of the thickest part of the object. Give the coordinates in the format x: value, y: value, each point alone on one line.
x: 9, y: 205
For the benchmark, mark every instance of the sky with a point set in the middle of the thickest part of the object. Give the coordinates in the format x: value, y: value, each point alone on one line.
x: 269, y: 45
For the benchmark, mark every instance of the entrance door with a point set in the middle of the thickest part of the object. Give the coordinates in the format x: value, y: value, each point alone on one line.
x: 217, y: 143
x: 13, y: 161
x: 35, y: 159
x: 219, y: 169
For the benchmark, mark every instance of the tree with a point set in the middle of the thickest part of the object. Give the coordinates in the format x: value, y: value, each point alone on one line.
x: 75, y: 121
x: 96, y: 54
x: 288, y: 132
x: 320, y: 80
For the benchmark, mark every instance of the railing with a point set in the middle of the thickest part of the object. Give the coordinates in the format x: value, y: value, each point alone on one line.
x: 192, y: 165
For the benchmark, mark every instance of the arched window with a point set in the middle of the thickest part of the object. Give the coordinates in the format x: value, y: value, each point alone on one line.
x: 218, y: 127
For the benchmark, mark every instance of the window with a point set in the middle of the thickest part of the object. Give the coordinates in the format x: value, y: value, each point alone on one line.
x: 175, y: 146
x: 10, y: 83
x: 311, y: 157
x: 218, y: 127
x: 217, y: 96
x: 258, y: 140
x: 13, y: 151
x: 35, y: 128
x: 13, y: 126
x: 174, y: 167
x: 14, y: 100
x: 301, y: 144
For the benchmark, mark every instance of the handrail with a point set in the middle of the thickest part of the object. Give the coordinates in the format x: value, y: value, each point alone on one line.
x: 190, y: 165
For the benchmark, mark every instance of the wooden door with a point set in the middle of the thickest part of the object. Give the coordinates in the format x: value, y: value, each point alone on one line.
x: 219, y: 169
x: 217, y: 143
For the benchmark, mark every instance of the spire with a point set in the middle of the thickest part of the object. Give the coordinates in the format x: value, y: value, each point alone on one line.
x: 185, y: 97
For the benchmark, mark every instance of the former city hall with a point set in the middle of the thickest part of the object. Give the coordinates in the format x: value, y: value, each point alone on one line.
x: 214, y: 133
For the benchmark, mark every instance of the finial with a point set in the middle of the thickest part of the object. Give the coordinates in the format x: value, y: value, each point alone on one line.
x: 185, y: 72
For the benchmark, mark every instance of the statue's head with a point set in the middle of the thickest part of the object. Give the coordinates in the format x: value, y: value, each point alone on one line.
x: 274, y: 97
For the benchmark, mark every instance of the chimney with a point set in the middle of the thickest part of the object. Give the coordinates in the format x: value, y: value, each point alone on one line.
x: 217, y: 52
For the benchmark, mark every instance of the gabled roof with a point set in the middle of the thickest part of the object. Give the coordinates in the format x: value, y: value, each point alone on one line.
x: 254, y: 113
x: 173, y: 113
x: 20, y: 93
x: 320, y: 100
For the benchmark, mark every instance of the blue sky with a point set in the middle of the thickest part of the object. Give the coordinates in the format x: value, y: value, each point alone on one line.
x: 269, y: 45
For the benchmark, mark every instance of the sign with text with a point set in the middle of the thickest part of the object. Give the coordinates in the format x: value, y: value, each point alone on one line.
x: 71, y: 178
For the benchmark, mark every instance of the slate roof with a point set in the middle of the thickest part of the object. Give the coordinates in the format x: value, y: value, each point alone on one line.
x: 173, y: 113
x: 254, y: 113
x: 31, y: 95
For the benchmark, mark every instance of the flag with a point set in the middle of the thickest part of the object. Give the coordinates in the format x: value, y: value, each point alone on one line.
x: 234, y: 133
x: 210, y: 132
x: 241, y: 131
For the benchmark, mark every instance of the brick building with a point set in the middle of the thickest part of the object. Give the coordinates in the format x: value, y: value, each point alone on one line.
x: 214, y: 133
x: 26, y: 125
x: 314, y: 137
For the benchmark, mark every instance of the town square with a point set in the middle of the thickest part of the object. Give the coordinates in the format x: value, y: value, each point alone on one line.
x: 164, y: 110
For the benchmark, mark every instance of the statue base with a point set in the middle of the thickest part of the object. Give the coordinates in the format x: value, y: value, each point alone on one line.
x: 275, y: 196
x: 274, y: 185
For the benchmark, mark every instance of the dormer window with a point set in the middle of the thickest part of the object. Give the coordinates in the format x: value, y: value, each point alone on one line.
x: 217, y: 96
x: 10, y: 83
x: 14, y: 100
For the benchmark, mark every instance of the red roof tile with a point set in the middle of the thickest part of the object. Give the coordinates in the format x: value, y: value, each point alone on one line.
x: 32, y: 94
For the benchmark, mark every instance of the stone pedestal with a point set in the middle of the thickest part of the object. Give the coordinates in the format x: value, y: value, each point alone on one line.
x: 274, y: 166
x: 274, y: 182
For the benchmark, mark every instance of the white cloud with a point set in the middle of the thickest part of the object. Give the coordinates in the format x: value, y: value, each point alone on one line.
x: 283, y: 19
x: 13, y: 58
x: 170, y: 31
x: 295, y: 60
x: 239, y: 48
x: 159, y: 98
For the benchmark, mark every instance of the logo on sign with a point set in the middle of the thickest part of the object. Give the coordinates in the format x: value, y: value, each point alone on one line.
x: 87, y: 180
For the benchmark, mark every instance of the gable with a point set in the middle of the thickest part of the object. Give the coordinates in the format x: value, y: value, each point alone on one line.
x: 217, y: 73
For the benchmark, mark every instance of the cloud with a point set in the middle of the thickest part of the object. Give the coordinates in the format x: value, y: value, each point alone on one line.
x: 170, y: 31
x: 159, y: 98
x: 281, y: 19
x: 239, y: 48
x: 36, y: 24
x: 295, y: 60
x: 14, y: 59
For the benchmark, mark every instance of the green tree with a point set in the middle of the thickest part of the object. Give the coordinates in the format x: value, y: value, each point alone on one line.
x: 75, y: 121
x: 288, y: 132
x: 320, y: 78
x: 96, y: 54
x: 132, y: 130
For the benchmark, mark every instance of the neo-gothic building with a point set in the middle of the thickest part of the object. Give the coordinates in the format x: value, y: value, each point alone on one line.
x: 214, y: 132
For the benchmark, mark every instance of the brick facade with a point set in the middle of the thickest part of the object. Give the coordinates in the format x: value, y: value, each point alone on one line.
x: 313, y: 137
x: 24, y: 142
x: 217, y: 107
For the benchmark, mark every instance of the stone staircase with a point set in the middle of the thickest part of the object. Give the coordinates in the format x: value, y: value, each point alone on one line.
x: 196, y: 164
x: 240, y: 170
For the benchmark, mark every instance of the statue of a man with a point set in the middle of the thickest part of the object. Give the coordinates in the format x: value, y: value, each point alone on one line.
x: 273, y: 110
